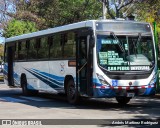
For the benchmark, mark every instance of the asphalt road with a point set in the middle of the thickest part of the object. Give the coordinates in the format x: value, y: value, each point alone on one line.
x: 13, y: 105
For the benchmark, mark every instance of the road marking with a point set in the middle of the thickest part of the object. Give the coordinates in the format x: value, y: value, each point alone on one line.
x: 10, y: 99
x: 35, y: 98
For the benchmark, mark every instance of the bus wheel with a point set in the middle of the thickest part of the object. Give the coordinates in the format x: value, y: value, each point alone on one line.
x: 123, y: 100
x: 25, y: 90
x: 72, y: 94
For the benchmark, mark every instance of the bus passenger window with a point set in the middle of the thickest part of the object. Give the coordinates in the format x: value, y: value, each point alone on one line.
x: 32, y: 51
x: 69, y: 46
x: 56, y: 47
x: 43, y: 49
x: 22, y: 51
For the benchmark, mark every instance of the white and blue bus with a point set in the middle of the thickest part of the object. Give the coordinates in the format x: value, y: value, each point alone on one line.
x: 95, y: 58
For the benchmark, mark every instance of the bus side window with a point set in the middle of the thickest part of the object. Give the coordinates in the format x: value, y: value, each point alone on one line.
x: 43, y: 50
x: 22, y: 51
x: 56, y: 48
x: 32, y: 51
x: 69, y: 45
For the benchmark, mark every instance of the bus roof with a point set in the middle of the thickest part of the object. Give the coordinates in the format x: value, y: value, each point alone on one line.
x: 88, y: 23
x: 51, y: 30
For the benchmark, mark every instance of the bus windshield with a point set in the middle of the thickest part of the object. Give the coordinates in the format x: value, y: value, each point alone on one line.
x: 125, y: 52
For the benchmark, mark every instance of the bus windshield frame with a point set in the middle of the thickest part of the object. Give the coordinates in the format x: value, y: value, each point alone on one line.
x: 132, y: 46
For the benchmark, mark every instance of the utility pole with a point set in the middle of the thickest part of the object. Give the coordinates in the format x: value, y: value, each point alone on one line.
x: 104, y: 8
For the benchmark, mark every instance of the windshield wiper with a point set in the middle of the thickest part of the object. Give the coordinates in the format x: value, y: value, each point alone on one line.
x: 119, y: 44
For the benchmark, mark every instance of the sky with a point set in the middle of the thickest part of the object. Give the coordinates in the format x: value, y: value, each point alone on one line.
x: 10, y: 8
x: 2, y: 39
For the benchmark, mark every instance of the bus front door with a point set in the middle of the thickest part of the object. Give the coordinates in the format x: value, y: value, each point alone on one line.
x: 84, y: 76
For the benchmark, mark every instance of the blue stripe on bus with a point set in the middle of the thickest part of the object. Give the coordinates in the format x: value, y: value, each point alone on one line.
x: 47, y: 76
x: 44, y: 79
x: 57, y: 79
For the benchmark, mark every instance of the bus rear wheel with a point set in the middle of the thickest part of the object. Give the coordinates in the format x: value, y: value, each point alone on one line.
x: 25, y: 90
x: 72, y: 94
x: 123, y: 100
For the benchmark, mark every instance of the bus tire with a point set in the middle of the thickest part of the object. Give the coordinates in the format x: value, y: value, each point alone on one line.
x: 72, y: 94
x: 25, y: 90
x: 123, y: 100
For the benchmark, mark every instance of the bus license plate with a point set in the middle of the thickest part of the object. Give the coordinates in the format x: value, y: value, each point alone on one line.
x: 130, y: 94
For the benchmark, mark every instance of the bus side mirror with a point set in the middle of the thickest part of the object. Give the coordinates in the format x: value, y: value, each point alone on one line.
x: 91, y: 41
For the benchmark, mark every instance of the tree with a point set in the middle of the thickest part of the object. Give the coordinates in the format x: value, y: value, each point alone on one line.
x: 49, y: 13
x: 149, y: 11
x: 79, y: 10
x: 7, y: 7
x: 119, y: 8
x: 17, y: 27
x: 52, y: 13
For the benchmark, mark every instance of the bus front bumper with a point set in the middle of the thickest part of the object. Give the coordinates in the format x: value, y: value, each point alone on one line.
x: 128, y: 91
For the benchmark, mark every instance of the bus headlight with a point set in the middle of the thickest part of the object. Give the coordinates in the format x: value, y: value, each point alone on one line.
x: 102, y: 80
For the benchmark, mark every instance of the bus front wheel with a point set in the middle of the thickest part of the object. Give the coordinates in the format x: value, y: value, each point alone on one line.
x: 123, y: 100
x: 72, y: 94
